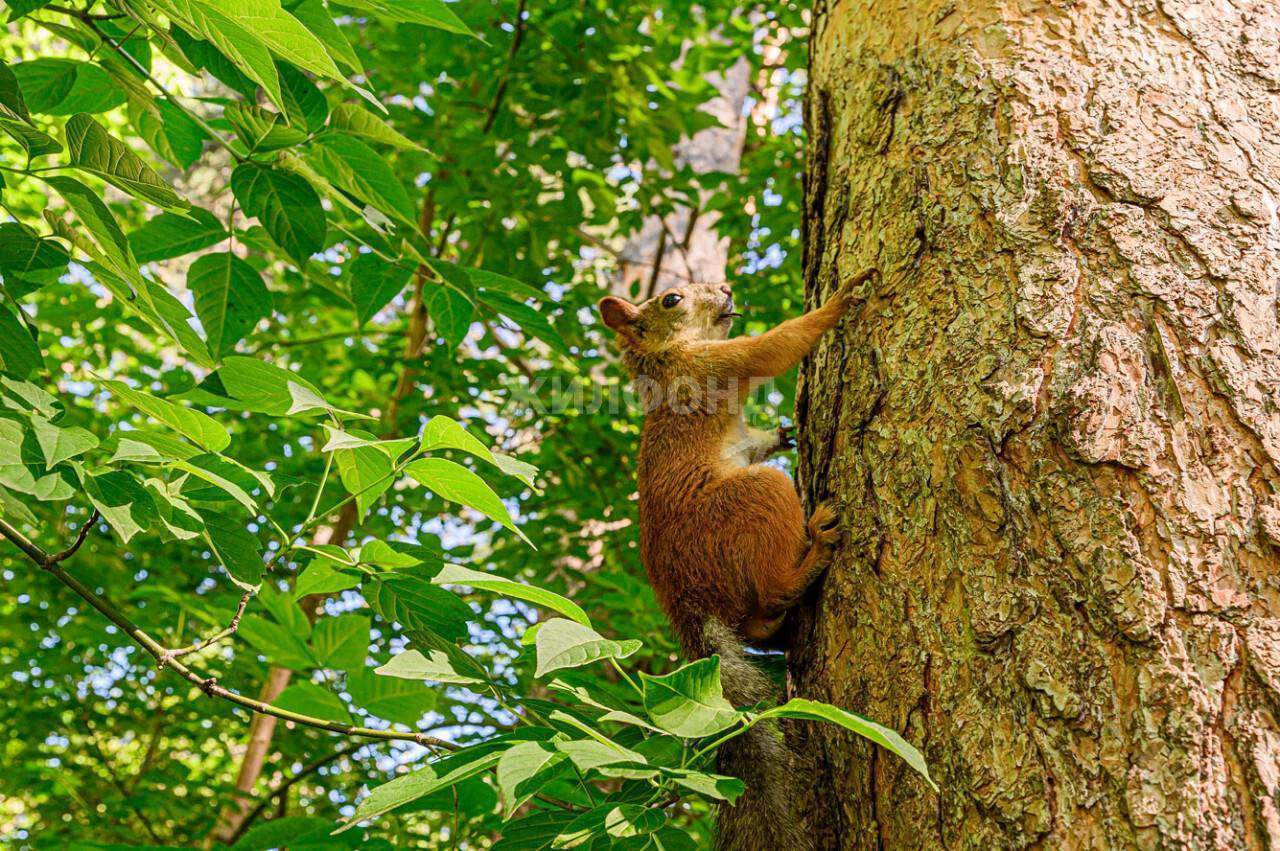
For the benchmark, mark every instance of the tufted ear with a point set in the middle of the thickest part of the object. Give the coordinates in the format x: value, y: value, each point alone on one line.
x: 620, y: 315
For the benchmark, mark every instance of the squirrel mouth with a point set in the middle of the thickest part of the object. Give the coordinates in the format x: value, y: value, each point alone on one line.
x: 729, y: 314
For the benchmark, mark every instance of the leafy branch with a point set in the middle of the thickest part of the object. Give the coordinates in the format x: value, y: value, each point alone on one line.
x: 165, y: 657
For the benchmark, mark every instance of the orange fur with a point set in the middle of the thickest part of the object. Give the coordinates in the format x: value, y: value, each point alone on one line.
x: 722, y: 536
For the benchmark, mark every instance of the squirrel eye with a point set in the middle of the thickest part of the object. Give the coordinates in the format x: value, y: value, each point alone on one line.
x: 670, y: 300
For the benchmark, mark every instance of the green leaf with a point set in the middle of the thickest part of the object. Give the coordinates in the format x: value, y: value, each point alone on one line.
x: 91, y: 148
x: 180, y: 520
x: 689, y: 702
x: 29, y: 261
x: 225, y: 477
x: 261, y: 130
x: 33, y: 141
x: 286, y: 205
x: 320, y: 577
x: 169, y: 132
x: 281, y: 32
x: 239, y: 44
x: 365, y: 472
x: 523, y: 769
x: 198, y: 427
x: 534, y: 832
x: 315, y: 16
x: 14, y: 472
x: 416, y: 603
x: 230, y: 299
x: 812, y: 710
x: 566, y: 644
x: 171, y: 235
x: 612, y: 822
x: 430, y: 13
x: 456, y: 483
x: 307, y: 832
x: 715, y: 786
x: 314, y: 700
x: 58, y: 443
x: 275, y: 642
x: 587, y: 754
x: 255, y: 385
x: 341, y: 642
x: 56, y: 86
x: 162, y: 443
x: 12, y: 104
x: 338, y: 439
x: 530, y: 320
x: 443, y: 432
x: 358, y: 170
x: 98, y: 221
x: 395, y: 700
x: 156, y: 305
x: 433, y: 667
x: 453, y: 574
x: 373, y: 282
x: 358, y: 121
x: 19, y: 351
x: 238, y: 550
x: 417, y: 784
x: 450, y: 312
x: 28, y: 398
x: 305, y: 103
x: 123, y: 502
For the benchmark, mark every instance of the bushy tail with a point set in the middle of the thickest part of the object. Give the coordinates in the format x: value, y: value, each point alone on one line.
x: 767, y: 816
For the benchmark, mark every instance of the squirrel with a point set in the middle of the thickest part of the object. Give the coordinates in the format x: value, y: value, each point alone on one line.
x: 723, y: 537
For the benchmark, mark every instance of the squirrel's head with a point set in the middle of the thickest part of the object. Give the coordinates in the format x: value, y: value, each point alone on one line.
x: 690, y: 312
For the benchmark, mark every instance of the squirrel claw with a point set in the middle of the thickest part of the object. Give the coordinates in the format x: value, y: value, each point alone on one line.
x: 823, y: 524
x: 786, y: 437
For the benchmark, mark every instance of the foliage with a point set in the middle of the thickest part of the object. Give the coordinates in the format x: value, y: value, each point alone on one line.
x: 268, y: 272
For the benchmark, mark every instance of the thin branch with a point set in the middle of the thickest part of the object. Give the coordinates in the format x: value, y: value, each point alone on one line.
x: 226, y: 632
x: 208, y: 685
x: 146, y: 74
x: 75, y: 545
x: 283, y: 788
x: 516, y: 39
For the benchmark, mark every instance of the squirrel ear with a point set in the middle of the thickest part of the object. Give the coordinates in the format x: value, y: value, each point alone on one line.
x: 619, y: 314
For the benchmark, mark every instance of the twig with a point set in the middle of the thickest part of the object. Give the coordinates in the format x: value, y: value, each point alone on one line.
x: 89, y: 21
x: 208, y: 685
x: 226, y: 632
x: 283, y: 788
x: 516, y: 39
x: 76, y: 544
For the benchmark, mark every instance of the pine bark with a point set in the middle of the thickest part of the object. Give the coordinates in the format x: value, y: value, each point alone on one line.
x: 1053, y: 429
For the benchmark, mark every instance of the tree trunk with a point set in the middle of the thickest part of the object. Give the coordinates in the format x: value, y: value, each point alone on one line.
x: 1052, y: 430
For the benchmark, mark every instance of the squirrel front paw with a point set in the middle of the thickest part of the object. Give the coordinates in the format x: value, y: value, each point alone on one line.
x: 845, y: 293
x: 824, y: 524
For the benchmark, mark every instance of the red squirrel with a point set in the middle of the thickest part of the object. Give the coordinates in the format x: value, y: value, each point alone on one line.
x: 723, y: 537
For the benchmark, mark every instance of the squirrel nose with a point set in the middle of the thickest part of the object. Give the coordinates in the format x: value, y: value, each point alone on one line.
x: 724, y: 288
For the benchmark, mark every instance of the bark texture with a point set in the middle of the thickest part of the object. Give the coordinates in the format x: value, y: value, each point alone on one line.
x: 1053, y: 430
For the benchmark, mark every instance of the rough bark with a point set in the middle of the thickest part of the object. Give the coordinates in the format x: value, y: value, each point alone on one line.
x: 1052, y: 431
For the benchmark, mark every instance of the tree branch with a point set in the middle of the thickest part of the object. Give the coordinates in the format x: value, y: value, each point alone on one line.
x: 208, y: 685
x: 283, y: 788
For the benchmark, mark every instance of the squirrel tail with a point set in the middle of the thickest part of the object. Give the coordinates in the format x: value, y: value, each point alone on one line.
x: 766, y: 817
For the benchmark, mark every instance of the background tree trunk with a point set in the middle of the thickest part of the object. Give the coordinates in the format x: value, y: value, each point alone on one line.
x: 1052, y: 431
